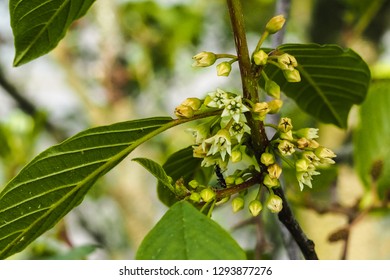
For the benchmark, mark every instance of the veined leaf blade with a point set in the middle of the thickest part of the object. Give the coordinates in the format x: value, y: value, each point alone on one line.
x: 156, y: 170
x: 184, y: 233
x: 57, y: 180
x: 333, y: 79
x: 39, y: 25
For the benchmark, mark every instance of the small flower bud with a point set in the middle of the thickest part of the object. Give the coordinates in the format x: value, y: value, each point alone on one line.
x: 286, y: 135
x: 207, y: 195
x: 230, y: 180
x: 238, y: 204
x: 239, y: 180
x: 193, y: 184
x: 313, y: 144
x: 275, y: 24
x: 274, y: 203
x: 260, y: 57
x: 261, y: 109
x: 274, y: 171
x: 308, y: 133
x: 272, y: 89
x: 292, y: 76
x: 303, y: 143
x: 224, y: 68
x: 286, y: 148
x: 285, y: 125
x: 204, y: 59
x: 195, y: 197
x: 267, y: 159
x: 184, y: 111
x: 325, y: 155
x: 236, y: 155
x: 287, y: 62
x: 193, y: 102
x: 270, y: 182
x: 301, y: 165
x: 275, y: 105
x: 255, y: 207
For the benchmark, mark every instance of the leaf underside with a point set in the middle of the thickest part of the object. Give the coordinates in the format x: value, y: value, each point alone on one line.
x: 182, y: 164
x: 332, y: 80
x: 371, y: 138
x: 39, y: 25
x: 57, y: 180
x: 184, y: 233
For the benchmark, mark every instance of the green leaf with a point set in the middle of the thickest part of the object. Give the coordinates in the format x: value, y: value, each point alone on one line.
x: 182, y: 164
x: 57, y: 180
x: 157, y: 171
x: 333, y: 79
x: 372, y: 136
x: 39, y: 25
x: 184, y: 233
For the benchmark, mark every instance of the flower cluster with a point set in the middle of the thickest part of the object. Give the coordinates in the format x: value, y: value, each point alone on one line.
x: 308, y: 154
x: 226, y: 136
x: 220, y: 139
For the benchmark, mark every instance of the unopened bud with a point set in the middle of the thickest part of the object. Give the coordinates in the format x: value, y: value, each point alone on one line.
x: 270, y: 182
x: 275, y: 105
x: 193, y: 184
x: 267, y: 159
x: 184, y: 111
x: 274, y: 203
x: 301, y: 165
x: 275, y: 24
x: 236, y: 156
x: 285, y: 125
x: 272, y: 89
x: 286, y: 135
x: 303, y: 143
x: 286, y: 147
x: 325, y: 155
x: 274, y: 171
x: 224, y: 68
x: 239, y: 180
x: 261, y: 109
x: 255, y: 207
x: 192, y: 102
x: 292, y: 76
x: 237, y: 204
x: 195, y: 197
x: 308, y: 133
x: 260, y: 57
x: 230, y: 180
x: 204, y: 59
x: 207, y: 195
x: 287, y: 62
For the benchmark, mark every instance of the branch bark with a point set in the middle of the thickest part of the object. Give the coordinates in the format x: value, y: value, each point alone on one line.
x: 259, y: 137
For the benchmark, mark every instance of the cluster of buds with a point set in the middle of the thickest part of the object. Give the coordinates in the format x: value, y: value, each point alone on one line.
x: 223, y: 138
x: 308, y: 154
x: 206, y: 59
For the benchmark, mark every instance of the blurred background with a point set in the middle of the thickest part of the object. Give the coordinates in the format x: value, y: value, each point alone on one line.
x: 129, y: 59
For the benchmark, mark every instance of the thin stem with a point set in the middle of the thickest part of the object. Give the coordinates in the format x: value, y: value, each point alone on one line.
x: 287, y: 218
x: 258, y: 136
x: 238, y: 26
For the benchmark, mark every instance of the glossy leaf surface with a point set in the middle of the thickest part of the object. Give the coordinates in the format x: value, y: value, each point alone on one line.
x: 184, y: 233
x: 332, y: 80
x: 39, y: 25
x: 57, y: 180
